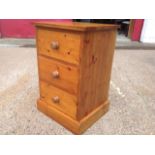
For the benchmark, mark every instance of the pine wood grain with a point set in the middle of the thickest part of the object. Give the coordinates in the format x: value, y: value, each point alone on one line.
x: 77, y: 127
x: 68, y: 75
x: 67, y: 103
x: 69, y: 44
x: 84, y: 72
x: 95, y: 70
x: 76, y: 26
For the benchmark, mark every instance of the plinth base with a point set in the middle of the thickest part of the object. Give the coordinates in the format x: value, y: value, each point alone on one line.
x: 75, y: 126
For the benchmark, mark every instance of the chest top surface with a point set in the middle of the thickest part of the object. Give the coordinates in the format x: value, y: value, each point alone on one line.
x: 76, y: 26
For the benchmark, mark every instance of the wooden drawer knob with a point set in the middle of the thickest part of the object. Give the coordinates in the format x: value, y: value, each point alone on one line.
x: 55, y: 74
x: 54, y: 45
x: 56, y: 99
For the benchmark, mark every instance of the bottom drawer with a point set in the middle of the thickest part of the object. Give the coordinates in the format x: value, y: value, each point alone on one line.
x: 58, y: 98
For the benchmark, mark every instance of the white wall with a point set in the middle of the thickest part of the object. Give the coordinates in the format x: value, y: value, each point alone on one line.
x: 148, y: 31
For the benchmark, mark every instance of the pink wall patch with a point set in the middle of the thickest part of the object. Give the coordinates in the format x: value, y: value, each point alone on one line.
x: 21, y: 28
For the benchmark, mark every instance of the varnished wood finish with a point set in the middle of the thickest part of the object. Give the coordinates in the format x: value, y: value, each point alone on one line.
x: 79, y: 80
x: 77, y: 127
x: 95, y: 69
x: 93, y: 116
x: 68, y: 75
x: 76, y: 26
x: 69, y: 44
x: 67, y: 103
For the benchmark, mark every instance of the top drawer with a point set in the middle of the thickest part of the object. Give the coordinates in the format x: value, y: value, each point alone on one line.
x: 62, y: 45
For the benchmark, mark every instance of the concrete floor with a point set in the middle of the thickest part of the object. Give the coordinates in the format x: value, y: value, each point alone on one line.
x: 122, y: 42
x: 132, y: 95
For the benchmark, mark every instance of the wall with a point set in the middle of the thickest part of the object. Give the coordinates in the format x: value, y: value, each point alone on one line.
x: 137, y: 28
x: 148, y: 31
x: 21, y: 28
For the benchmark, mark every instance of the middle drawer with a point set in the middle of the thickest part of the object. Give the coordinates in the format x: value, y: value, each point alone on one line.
x: 59, y: 74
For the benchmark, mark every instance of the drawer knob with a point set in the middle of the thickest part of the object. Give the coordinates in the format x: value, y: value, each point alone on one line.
x: 56, y: 99
x: 55, y: 74
x: 54, y: 45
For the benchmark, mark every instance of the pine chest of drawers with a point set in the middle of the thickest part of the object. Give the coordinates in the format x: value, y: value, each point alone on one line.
x: 74, y: 61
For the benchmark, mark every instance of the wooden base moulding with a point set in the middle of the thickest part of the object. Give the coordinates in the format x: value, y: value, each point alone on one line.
x: 75, y: 126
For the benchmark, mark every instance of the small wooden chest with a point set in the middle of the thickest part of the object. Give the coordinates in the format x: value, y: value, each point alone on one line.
x: 74, y: 61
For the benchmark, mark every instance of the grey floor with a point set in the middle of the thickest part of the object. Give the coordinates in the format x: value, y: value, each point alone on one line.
x: 122, y: 42
x: 132, y: 95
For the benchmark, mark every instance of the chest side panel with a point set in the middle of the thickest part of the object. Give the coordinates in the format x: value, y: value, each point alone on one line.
x: 95, y: 70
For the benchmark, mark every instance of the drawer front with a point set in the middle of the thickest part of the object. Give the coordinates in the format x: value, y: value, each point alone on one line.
x: 57, y: 98
x: 62, y: 45
x: 59, y: 74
